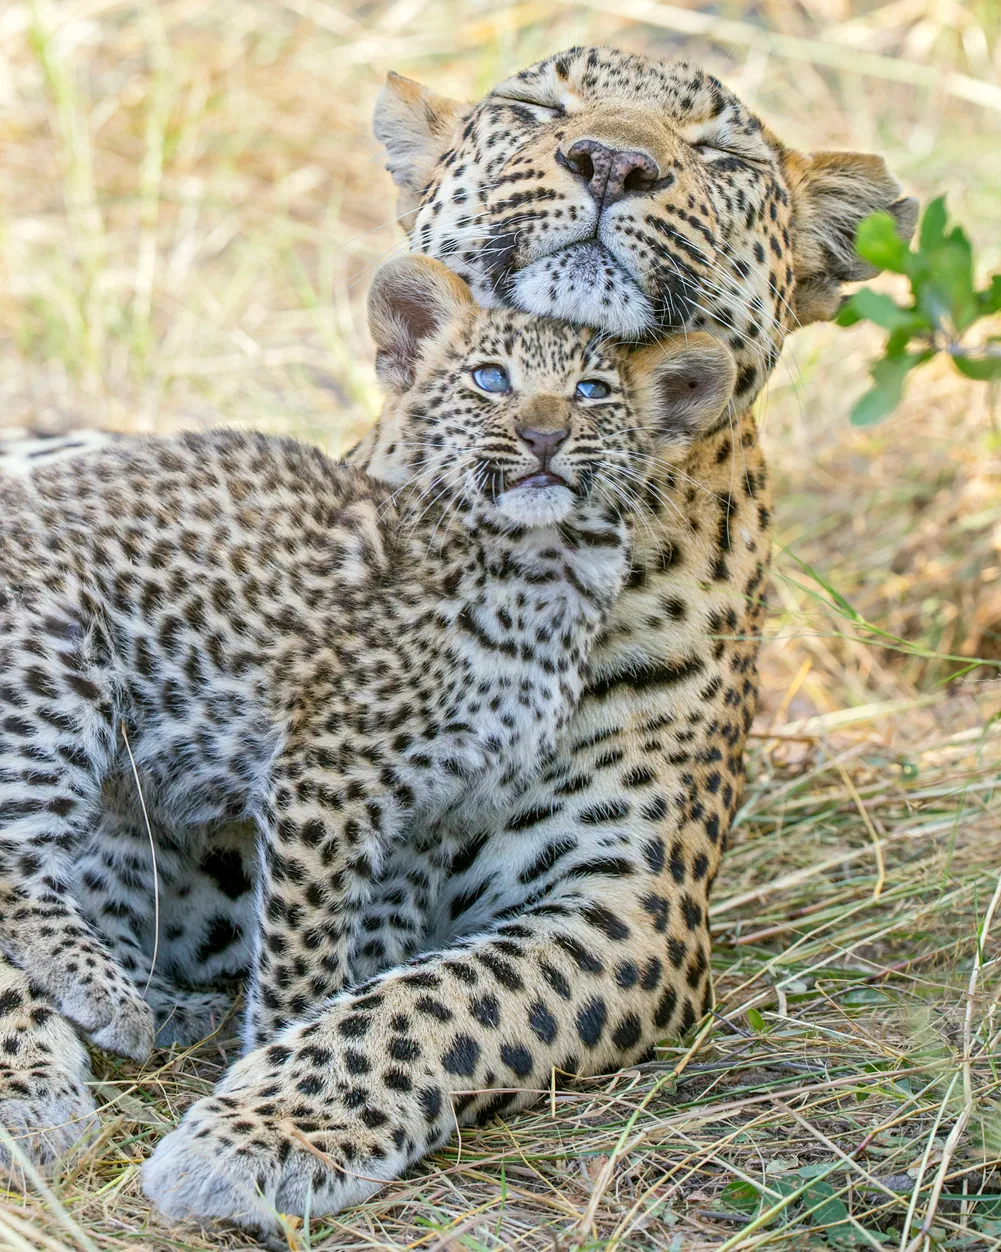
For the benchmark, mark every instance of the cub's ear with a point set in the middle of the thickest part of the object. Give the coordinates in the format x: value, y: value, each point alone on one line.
x: 683, y: 385
x: 415, y: 126
x: 831, y: 193
x: 412, y: 298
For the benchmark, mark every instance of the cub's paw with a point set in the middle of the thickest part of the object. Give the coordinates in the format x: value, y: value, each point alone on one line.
x: 292, y: 1145
x: 112, y: 1015
x: 56, y: 950
x: 46, y: 1106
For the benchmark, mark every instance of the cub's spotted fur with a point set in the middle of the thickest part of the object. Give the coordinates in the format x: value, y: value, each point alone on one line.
x: 255, y: 632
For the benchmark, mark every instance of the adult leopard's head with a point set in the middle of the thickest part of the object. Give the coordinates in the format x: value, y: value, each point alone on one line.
x: 635, y: 196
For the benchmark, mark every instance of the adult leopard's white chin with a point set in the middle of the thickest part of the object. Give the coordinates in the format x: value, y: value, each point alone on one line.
x: 583, y: 284
x: 536, y: 506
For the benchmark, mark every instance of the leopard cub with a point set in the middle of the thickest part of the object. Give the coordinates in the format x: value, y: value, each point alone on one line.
x: 231, y: 626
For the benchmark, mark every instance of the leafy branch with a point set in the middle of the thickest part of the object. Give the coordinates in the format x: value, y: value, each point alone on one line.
x: 944, y: 304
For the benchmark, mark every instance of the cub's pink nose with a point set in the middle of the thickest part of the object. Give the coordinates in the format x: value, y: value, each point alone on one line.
x: 543, y: 442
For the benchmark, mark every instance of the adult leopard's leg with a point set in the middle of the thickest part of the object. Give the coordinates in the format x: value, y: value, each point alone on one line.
x: 316, y: 1119
x: 45, y: 1104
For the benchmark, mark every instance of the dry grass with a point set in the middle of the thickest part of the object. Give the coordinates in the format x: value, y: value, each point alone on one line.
x: 189, y: 206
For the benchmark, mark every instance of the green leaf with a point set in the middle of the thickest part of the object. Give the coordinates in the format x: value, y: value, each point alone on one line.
x: 897, y: 340
x: 741, y: 1195
x: 877, y: 242
x: 885, y: 311
x: 888, y: 386
x: 990, y: 299
x: 941, y: 272
x: 831, y: 1210
x: 946, y: 303
x: 757, y: 1022
x: 847, y: 314
x: 933, y: 225
x: 865, y: 995
x: 951, y: 274
x: 983, y: 369
x: 875, y: 404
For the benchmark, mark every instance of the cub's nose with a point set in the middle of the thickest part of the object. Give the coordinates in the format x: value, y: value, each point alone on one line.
x: 543, y: 442
x: 610, y: 174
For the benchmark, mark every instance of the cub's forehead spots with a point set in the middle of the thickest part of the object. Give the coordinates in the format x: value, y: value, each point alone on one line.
x: 541, y: 352
x: 493, y: 334
x: 550, y: 346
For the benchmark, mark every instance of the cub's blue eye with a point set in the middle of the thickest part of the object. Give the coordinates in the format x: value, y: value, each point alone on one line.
x: 492, y: 378
x: 592, y: 389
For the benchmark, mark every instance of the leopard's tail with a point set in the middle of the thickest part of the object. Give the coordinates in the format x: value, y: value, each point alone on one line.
x: 23, y: 450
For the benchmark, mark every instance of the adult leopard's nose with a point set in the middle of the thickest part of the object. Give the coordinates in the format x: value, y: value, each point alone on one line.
x: 610, y: 173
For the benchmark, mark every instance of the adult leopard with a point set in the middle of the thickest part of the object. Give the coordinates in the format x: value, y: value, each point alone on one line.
x: 636, y: 197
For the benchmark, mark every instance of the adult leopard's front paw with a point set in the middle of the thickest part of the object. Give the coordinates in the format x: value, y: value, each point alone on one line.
x: 264, y: 1150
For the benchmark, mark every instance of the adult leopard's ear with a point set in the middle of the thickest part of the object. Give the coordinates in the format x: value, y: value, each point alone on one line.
x: 831, y: 193
x: 415, y: 126
x: 411, y: 300
x: 682, y: 386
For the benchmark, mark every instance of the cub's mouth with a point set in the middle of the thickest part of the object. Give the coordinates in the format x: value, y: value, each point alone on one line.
x: 538, y: 499
x: 541, y: 478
